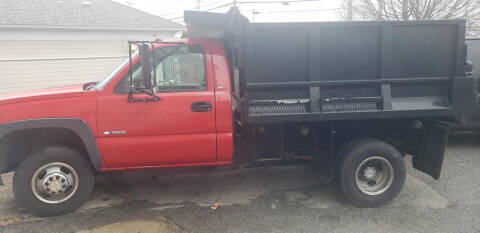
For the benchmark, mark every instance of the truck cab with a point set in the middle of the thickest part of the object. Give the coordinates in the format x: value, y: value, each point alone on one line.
x: 111, y: 126
x: 193, y: 108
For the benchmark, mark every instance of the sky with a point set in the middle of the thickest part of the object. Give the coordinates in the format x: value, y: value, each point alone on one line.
x: 260, y: 11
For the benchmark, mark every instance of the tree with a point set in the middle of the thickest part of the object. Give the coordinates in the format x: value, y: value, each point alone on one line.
x: 416, y: 10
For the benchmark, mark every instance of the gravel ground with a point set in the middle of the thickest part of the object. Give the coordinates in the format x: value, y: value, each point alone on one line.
x: 283, y: 199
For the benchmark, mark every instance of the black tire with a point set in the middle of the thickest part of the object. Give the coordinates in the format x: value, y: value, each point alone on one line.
x: 351, y: 157
x: 22, y: 181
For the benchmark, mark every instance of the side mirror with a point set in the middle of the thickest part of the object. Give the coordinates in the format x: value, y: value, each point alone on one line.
x: 146, y: 66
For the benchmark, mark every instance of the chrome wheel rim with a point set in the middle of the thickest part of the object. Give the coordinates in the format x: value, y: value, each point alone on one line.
x: 374, y: 175
x: 54, y: 183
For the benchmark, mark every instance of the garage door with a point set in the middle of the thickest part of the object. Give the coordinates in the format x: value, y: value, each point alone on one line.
x: 33, y: 64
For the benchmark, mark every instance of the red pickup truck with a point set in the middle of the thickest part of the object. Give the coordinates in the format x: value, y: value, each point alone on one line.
x: 349, y: 98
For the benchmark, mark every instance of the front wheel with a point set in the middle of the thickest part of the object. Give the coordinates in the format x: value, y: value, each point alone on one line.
x: 371, y: 172
x: 53, y: 181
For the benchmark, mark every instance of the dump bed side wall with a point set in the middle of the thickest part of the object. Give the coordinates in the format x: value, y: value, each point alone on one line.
x: 330, y: 70
x: 314, y: 52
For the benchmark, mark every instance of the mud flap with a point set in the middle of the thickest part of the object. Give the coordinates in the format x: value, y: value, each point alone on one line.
x: 1, y: 181
x: 430, y: 151
x: 326, y: 163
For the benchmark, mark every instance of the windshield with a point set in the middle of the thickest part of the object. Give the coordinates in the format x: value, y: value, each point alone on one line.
x: 100, y: 85
x: 160, y: 53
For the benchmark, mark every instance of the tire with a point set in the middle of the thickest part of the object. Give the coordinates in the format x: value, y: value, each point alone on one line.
x: 53, y: 162
x: 363, y: 170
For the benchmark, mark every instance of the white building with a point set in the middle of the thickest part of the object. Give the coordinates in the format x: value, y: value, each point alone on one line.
x: 46, y: 43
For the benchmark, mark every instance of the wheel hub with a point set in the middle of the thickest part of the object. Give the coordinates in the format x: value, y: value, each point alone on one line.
x: 374, y: 175
x: 55, y: 183
x: 370, y: 173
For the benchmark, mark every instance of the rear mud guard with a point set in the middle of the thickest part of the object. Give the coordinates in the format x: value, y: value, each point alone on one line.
x: 430, y: 152
x: 1, y: 181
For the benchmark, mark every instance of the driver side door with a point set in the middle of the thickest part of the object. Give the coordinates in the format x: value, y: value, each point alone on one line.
x: 178, y: 129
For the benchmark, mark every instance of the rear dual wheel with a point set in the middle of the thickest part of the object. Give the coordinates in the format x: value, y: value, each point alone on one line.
x: 371, y: 172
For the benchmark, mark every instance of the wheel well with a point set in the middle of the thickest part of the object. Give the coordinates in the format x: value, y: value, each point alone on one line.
x: 401, y: 134
x: 18, y: 145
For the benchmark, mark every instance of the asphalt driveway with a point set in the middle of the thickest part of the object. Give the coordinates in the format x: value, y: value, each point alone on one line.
x: 283, y: 199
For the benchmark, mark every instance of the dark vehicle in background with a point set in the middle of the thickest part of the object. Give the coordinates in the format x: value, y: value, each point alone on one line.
x: 473, y: 54
x: 473, y: 57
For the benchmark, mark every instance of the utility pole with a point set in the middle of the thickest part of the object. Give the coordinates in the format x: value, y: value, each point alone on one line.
x: 198, y: 5
x: 129, y: 3
x: 234, y: 3
x: 349, y: 10
x: 467, y: 8
x: 405, y: 10
x: 380, y: 10
x: 254, y: 12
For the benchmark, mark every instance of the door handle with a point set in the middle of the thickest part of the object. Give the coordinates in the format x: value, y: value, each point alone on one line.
x: 201, y: 107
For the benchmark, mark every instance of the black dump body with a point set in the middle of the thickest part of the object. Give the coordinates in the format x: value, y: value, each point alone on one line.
x: 319, y: 71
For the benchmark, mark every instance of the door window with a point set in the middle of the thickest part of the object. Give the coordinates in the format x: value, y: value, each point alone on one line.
x: 183, y: 70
